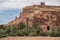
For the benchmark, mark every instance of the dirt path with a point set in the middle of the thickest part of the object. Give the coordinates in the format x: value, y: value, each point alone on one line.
x: 31, y: 38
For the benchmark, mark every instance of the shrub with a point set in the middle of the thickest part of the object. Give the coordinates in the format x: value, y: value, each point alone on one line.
x: 27, y: 30
x: 1, y: 26
x: 7, y: 30
x: 38, y: 31
x: 3, y: 35
x: 21, y: 25
x: 20, y: 33
x: 42, y: 33
x: 12, y: 31
x: 33, y: 33
x: 55, y: 32
x: 35, y: 26
x: 24, y: 32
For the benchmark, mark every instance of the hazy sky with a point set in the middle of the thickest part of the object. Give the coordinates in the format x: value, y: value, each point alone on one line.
x: 11, y: 8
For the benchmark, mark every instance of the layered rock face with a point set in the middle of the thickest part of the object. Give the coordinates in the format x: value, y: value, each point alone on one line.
x: 44, y: 15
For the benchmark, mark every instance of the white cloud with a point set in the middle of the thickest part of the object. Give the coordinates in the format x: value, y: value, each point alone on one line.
x: 6, y: 4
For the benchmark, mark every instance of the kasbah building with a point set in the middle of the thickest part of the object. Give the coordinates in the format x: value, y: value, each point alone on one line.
x: 46, y: 16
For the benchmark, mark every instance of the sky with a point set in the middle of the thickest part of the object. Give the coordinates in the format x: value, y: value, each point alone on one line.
x: 9, y: 9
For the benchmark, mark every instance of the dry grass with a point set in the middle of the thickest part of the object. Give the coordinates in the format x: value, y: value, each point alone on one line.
x: 31, y: 38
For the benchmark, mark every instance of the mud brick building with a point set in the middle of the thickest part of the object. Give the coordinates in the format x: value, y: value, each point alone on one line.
x: 46, y: 16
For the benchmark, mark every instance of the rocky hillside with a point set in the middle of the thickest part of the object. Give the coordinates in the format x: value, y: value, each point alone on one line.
x: 44, y: 15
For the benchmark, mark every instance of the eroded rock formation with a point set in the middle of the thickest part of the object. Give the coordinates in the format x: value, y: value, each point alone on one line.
x: 44, y: 15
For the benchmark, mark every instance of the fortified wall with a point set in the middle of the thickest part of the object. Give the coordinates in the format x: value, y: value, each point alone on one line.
x: 46, y: 16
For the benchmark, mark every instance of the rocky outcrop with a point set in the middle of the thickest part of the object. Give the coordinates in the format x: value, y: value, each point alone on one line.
x: 44, y: 15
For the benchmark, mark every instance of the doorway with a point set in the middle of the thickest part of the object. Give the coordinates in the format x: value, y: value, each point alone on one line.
x: 48, y: 28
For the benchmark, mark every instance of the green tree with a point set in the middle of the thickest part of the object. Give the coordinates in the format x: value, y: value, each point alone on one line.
x: 3, y: 33
x: 13, y: 31
x: 1, y: 26
x: 21, y: 25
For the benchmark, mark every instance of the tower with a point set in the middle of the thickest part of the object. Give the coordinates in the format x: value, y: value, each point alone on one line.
x: 42, y: 4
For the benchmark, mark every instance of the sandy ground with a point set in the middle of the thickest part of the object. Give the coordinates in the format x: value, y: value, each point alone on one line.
x: 31, y: 38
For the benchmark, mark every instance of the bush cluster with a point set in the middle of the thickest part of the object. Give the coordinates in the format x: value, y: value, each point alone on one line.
x: 24, y: 30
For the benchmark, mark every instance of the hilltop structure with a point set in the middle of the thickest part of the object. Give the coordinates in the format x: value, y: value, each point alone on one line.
x: 45, y: 15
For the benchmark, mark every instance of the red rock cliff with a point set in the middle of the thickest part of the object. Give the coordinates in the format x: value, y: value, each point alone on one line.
x: 41, y: 14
